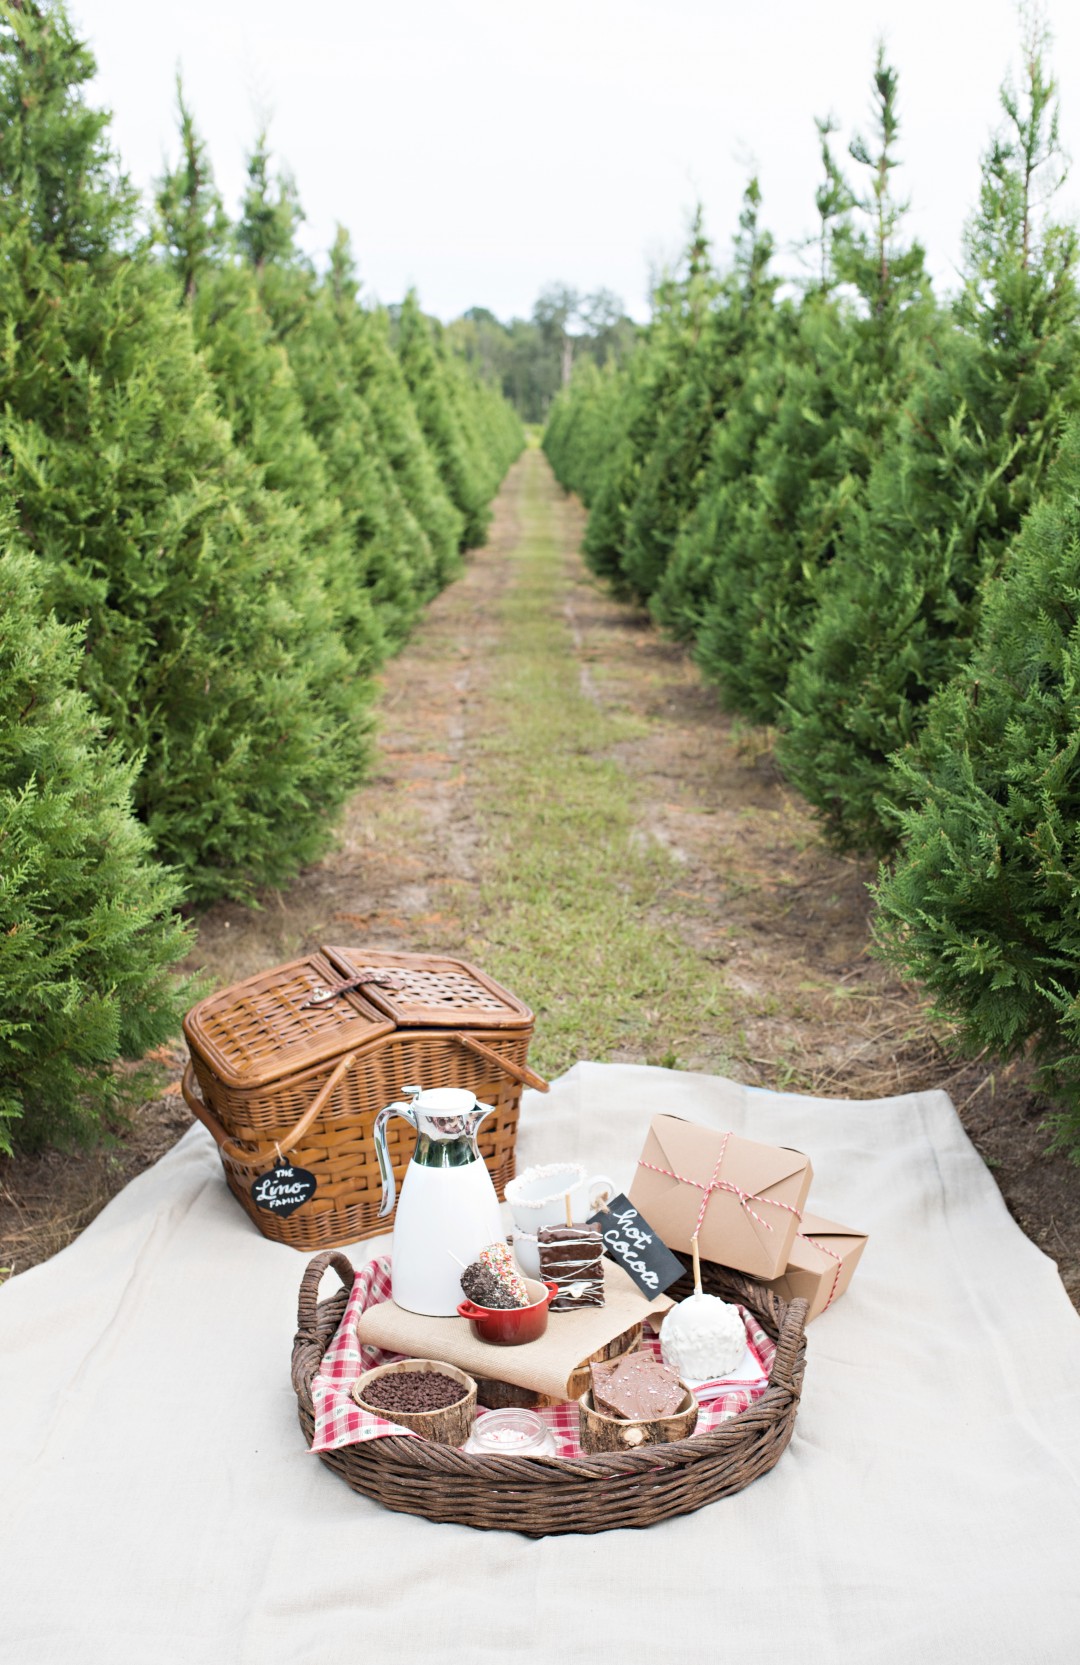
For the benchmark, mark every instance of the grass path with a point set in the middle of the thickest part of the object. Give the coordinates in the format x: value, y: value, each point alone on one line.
x: 577, y: 901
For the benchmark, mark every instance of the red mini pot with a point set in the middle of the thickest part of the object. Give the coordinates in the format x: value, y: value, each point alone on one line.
x: 510, y: 1326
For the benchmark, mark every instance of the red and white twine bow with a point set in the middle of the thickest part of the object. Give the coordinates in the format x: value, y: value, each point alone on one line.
x: 717, y: 1184
x: 808, y: 1237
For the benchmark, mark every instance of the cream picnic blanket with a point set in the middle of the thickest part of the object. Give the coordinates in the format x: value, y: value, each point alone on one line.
x: 158, y: 1505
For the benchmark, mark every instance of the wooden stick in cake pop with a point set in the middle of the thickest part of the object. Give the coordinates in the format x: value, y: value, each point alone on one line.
x: 697, y: 1264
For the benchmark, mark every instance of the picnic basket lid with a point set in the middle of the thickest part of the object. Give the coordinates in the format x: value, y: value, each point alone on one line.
x: 425, y: 991
x: 281, y: 1022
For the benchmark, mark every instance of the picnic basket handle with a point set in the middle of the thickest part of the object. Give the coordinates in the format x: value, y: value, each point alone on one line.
x: 520, y: 1072
x: 281, y: 1146
x: 306, y: 1314
x: 788, y: 1343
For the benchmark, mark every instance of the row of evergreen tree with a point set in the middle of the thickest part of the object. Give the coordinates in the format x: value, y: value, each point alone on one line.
x: 226, y: 490
x: 862, y: 507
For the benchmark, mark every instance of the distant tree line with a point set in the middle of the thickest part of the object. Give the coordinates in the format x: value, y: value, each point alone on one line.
x: 530, y: 360
x: 861, y: 506
x: 227, y: 489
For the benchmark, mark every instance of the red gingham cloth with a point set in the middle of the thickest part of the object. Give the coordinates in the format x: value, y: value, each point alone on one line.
x: 340, y: 1421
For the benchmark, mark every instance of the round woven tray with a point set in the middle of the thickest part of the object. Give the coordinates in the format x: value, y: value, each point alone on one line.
x: 543, y: 1495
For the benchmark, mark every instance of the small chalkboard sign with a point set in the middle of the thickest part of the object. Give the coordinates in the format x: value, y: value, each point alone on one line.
x: 631, y: 1243
x: 284, y: 1189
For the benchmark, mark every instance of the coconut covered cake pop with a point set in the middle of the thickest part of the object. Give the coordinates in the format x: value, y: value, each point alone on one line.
x: 702, y: 1338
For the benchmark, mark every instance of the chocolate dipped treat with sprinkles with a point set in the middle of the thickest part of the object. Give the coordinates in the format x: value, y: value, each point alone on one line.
x: 494, y: 1279
x: 572, y: 1257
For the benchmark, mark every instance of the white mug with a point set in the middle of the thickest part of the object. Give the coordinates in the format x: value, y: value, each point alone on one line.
x: 526, y: 1251
x: 538, y: 1196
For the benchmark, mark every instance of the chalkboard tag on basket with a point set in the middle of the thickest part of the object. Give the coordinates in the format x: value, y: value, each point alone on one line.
x: 631, y: 1243
x: 284, y: 1189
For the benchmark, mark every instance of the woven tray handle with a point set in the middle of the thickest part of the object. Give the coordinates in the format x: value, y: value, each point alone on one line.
x: 787, y: 1347
x: 281, y: 1146
x: 306, y: 1313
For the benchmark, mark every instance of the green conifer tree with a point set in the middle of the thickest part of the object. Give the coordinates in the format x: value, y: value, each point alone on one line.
x: 253, y: 380
x: 191, y: 219
x: 849, y: 363
x: 899, y: 604
x: 392, y: 565
x: 681, y: 305
x: 440, y: 421
x: 210, y: 646
x: 380, y: 380
x: 88, y: 931
x: 723, y: 335
x: 984, y: 903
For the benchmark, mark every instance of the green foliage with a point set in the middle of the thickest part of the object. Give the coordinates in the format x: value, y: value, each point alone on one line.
x: 976, y: 437
x: 721, y: 519
x: 254, y: 383
x: 380, y: 380
x: 724, y: 331
x: 454, y: 451
x: 848, y: 366
x: 192, y: 222
x: 984, y: 902
x: 87, y: 928
x: 56, y: 167
x: 210, y: 646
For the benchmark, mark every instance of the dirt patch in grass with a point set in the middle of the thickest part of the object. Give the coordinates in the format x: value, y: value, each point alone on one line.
x: 559, y: 798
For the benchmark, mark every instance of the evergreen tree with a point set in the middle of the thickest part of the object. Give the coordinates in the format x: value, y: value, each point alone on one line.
x: 680, y: 306
x: 210, y: 649
x: 58, y: 174
x: 254, y: 383
x: 391, y: 565
x: 432, y: 396
x: 984, y: 902
x: 900, y: 602
x: 849, y: 364
x: 723, y: 335
x: 192, y: 221
x: 578, y: 430
x: 87, y: 928
x: 380, y: 380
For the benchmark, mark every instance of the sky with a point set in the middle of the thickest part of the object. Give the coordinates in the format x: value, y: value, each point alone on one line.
x: 480, y: 149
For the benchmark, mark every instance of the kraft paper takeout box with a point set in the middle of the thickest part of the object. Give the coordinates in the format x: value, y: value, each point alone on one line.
x: 821, y: 1263
x: 752, y: 1231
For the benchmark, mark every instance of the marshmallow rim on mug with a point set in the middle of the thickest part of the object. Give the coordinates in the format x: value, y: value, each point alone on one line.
x: 549, y: 1209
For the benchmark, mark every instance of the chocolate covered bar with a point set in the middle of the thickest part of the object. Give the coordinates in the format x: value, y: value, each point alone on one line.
x: 636, y: 1389
x: 571, y: 1256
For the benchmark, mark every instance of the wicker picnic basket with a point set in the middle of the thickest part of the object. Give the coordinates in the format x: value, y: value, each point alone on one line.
x: 295, y: 1064
x: 540, y: 1496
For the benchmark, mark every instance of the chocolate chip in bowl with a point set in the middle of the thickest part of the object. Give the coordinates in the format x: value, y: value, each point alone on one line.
x: 432, y: 1399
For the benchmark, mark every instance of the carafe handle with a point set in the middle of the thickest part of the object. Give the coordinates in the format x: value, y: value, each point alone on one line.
x: 386, y: 1167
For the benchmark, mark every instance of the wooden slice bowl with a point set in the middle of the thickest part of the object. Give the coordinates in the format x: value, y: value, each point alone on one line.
x: 597, y: 1432
x: 451, y: 1425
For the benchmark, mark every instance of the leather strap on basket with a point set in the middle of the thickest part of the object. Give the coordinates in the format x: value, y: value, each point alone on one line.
x: 282, y: 1146
x: 379, y: 979
x: 519, y: 1072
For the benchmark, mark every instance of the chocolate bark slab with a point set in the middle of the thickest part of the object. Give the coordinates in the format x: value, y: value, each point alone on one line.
x: 638, y: 1388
